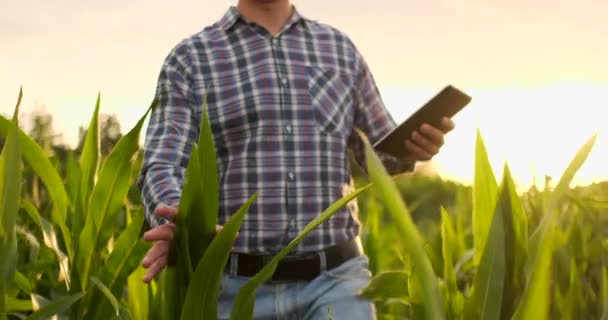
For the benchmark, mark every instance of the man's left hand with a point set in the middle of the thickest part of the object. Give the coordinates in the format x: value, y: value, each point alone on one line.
x: 425, y: 142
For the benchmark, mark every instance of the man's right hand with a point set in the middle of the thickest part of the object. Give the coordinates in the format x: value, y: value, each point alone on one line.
x: 157, y: 257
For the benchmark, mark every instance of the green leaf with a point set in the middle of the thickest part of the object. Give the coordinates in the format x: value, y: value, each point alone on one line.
x: 393, y: 201
x: 57, y: 306
x: 108, y: 294
x: 138, y: 298
x: 516, y: 244
x: 488, y: 286
x: 485, y: 193
x: 535, y: 301
x: 89, y: 161
x: 18, y: 305
x: 190, y: 208
x: 129, y: 250
x: 10, y: 194
x: 199, y: 201
x: 604, y: 293
x: 107, y: 199
x: 49, y: 237
x: 202, y: 304
x: 453, y: 296
x: 387, y: 285
x: 36, y: 158
x: 244, y: 301
x: 573, y: 306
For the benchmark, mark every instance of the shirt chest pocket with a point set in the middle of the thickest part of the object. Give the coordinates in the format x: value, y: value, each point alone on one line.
x: 331, y: 98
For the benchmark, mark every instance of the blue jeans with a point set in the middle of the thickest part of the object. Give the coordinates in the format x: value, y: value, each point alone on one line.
x: 333, y: 291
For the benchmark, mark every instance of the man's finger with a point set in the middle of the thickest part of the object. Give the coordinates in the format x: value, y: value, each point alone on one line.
x: 416, y: 153
x: 166, y: 212
x: 159, y: 249
x: 447, y: 124
x: 155, y: 269
x: 424, y: 143
x: 433, y: 134
x: 162, y: 232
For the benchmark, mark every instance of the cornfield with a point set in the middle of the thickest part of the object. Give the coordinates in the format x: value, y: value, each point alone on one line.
x: 438, y: 250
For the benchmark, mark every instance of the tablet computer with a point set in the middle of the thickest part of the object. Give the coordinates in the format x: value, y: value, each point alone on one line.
x: 446, y: 103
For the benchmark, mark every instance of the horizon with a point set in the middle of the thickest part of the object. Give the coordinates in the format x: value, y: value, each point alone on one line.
x: 534, y: 70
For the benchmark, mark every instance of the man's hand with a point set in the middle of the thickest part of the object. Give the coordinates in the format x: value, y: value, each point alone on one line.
x: 425, y: 142
x: 158, y: 256
x: 162, y: 235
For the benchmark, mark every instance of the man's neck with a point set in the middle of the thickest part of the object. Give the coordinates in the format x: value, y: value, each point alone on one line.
x: 270, y: 14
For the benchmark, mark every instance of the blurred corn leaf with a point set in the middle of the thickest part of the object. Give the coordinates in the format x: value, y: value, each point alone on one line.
x: 387, y: 285
x: 516, y: 244
x: 138, y: 295
x: 488, y: 285
x: 10, y: 193
x: 54, y: 307
x: 243, y: 305
x: 36, y: 158
x: 485, y: 193
x: 108, y: 294
x: 452, y: 297
x: 414, y: 244
x: 604, y: 294
x: 536, y: 298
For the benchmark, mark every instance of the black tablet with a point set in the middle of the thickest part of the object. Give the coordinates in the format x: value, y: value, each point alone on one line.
x: 446, y: 103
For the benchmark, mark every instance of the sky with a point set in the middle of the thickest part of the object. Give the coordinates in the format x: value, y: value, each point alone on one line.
x: 537, y: 70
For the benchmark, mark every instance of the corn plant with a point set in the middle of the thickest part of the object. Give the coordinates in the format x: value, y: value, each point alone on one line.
x: 511, y: 265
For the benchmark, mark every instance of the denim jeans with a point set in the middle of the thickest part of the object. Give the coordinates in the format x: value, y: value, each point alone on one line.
x: 333, y: 291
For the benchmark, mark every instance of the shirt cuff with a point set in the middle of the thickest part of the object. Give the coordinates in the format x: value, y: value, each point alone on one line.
x: 396, y: 165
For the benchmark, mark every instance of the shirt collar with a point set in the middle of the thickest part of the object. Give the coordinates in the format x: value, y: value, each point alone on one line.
x: 232, y: 16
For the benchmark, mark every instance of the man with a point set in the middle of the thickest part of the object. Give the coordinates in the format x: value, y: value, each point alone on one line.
x: 284, y: 95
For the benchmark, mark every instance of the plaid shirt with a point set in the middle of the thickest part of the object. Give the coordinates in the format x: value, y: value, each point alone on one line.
x: 283, y: 111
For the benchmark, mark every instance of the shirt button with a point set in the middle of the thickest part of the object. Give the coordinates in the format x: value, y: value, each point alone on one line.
x: 291, y: 176
x: 284, y: 82
x: 288, y: 129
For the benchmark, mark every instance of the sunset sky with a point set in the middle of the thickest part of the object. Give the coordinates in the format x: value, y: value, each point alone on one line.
x: 537, y: 70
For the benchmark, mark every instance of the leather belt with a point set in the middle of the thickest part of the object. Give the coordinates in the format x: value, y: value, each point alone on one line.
x: 302, y: 267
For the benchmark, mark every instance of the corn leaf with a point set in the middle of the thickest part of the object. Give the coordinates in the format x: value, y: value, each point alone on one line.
x: 387, y: 285
x: 18, y: 305
x: 453, y: 297
x: 57, y: 306
x: 139, y: 295
x: 199, y: 202
x: 107, y: 199
x: 36, y: 158
x: 89, y: 162
x: 516, y: 244
x: 536, y: 299
x: 485, y: 193
x: 10, y: 193
x: 244, y: 301
x: 49, y: 237
x: 202, y: 304
x: 128, y: 252
x: 108, y: 294
x: 210, y: 195
x: 421, y: 264
x: 604, y: 294
x: 488, y: 285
